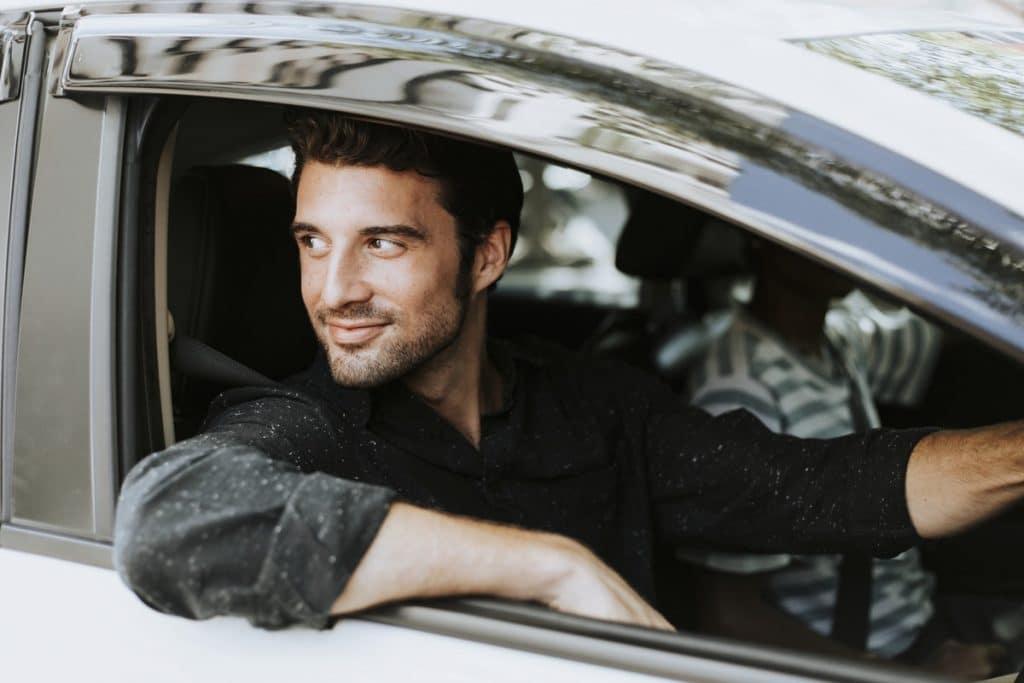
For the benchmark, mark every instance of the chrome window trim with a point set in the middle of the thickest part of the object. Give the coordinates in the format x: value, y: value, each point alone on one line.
x: 649, y: 123
x: 676, y: 656
x: 13, y: 36
x: 14, y: 255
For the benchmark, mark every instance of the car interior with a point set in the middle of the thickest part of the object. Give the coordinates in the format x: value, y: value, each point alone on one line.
x: 602, y: 268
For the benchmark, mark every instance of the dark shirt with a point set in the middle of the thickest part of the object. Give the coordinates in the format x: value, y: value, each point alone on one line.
x: 267, y: 513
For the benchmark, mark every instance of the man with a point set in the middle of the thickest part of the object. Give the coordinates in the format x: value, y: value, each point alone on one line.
x: 807, y: 357
x: 370, y: 477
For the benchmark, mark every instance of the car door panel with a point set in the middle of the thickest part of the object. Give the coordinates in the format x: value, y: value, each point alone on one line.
x: 80, y: 623
x: 66, y: 331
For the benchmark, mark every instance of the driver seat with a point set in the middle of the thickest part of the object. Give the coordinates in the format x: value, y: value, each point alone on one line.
x: 233, y: 286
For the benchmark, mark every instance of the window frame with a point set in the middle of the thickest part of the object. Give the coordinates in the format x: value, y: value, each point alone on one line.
x: 520, y: 626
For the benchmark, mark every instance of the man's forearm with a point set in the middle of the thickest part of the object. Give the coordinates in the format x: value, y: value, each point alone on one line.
x: 422, y: 553
x: 419, y: 553
x: 956, y: 479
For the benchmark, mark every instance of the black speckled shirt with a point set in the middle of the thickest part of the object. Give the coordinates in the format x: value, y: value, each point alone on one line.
x: 267, y: 513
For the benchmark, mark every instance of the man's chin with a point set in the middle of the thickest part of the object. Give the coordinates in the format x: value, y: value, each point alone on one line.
x: 352, y: 374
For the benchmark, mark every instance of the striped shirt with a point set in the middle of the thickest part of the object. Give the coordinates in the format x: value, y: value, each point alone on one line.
x: 891, y: 353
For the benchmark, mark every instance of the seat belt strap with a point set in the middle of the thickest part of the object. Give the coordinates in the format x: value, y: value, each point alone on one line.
x: 851, y: 615
x: 851, y: 618
x: 193, y: 358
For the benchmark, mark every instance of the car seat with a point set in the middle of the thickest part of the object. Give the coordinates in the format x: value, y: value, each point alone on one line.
x: 233, y: 286
x: 684, y: 258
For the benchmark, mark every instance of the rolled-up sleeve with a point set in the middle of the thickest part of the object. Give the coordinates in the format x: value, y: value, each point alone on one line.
x: 228, y: 522
x: 728, y: 483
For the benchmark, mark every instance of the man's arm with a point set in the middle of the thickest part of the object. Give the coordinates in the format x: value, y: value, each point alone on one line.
x: 227, y: 523
x: 956, y: 479
x: 422, y: 553
x: 214, y: 525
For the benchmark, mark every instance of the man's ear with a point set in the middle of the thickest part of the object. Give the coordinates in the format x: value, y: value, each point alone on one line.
x: 492, y: 256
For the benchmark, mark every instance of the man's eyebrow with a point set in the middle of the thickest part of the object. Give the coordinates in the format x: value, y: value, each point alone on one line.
x: 407, y: 231
x: 299, y: 227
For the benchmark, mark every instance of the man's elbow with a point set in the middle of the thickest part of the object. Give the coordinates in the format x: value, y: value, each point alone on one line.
x: 147, y: 557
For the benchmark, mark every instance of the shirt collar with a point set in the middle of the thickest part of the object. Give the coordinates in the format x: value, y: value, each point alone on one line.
x: 362, y: 404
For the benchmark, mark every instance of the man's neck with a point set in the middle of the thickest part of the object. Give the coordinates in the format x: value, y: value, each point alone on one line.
x: 462, y: 383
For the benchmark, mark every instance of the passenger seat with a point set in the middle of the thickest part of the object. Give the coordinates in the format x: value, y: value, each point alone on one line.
x: 680, y: 254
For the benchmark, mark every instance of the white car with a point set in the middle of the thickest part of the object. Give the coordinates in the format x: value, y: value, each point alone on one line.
x: 887, y: 144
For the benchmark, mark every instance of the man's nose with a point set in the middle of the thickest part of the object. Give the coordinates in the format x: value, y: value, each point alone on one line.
x: 346, y: 283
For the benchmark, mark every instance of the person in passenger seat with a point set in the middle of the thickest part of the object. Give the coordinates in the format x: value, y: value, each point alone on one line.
x: 808, y: 357
x: 418, y: 458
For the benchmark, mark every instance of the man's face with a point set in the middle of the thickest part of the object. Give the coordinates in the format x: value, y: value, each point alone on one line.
x: 803, y: 274
x: 380, y: 262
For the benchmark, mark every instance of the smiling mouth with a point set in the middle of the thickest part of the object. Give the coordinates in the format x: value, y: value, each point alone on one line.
x: 355, y: 333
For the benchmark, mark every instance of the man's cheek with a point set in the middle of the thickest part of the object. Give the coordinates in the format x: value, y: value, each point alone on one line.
x: 310, y: 289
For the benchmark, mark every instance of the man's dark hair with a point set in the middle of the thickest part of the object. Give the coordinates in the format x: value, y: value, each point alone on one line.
x: 480, y: 185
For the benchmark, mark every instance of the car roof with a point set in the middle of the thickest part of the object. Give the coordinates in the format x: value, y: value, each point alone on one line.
x: 780, y: 19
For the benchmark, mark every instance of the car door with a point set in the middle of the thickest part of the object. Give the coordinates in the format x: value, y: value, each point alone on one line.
x: 92, y: 343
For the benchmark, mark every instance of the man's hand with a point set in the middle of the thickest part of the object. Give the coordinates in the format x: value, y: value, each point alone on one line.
x: 419, y: 553
x: 966, y: 662
x: 588, y: 587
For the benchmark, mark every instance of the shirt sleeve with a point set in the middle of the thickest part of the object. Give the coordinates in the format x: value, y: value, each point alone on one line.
x: 728, y: 483
x: 231, y: 522
x: 895, y: 349
x: 723, y: 382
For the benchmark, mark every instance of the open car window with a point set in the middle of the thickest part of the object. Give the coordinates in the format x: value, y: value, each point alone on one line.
x: 648, y: 317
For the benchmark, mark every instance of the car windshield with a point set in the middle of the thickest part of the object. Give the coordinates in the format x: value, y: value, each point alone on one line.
x: 979, y: 72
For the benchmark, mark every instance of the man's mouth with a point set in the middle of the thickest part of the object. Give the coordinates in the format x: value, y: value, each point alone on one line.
x: 353, y: 332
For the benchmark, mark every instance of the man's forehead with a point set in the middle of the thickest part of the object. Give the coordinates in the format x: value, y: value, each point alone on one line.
x: 345, y: 194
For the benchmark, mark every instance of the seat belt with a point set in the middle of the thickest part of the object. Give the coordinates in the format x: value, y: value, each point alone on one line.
x: 193, y: 358
x: 852, y: 614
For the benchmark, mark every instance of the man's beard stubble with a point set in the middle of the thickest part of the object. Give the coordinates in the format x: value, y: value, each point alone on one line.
x: 396, y: 357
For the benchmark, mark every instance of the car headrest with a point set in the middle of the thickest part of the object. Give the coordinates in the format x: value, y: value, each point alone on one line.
x: 665, y: 240
x: 658, y: 237
x: 233, y: 272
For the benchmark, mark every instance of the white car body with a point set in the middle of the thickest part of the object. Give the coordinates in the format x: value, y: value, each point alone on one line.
x: 65, y: 613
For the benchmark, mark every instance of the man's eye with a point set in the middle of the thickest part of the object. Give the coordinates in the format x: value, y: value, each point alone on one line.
x: 313, y: 243
x: 385, y: 248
